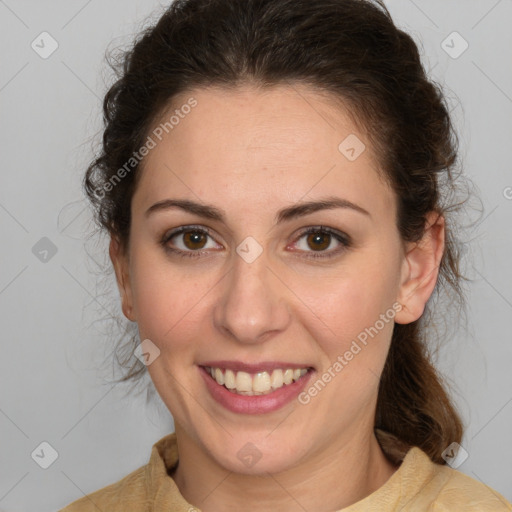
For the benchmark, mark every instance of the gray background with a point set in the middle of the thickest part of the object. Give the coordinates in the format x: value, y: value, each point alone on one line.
x: 54, y: 341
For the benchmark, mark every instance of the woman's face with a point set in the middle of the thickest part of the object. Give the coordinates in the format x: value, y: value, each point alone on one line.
x: 247, y: 292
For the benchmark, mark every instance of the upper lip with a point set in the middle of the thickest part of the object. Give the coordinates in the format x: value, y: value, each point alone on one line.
x: 268, y: 366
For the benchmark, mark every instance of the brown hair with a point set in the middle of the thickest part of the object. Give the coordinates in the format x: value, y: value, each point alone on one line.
x: 350, y: 49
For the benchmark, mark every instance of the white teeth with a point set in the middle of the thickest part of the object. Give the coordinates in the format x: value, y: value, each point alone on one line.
x: 243, y: 381
x: 229, y: 379
x: 288, y: 376
x: 261, y: 383
x: 277, y: 379
x: 218, y: 376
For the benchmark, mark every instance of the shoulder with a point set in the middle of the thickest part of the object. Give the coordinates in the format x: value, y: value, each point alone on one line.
x: 117, y: 497
x: 462, y: 492
x: 446, y: 489
x: 421, y: 484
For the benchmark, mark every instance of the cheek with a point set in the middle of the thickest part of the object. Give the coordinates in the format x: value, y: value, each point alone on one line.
x: 352, y: 327
x: 160, y: 296
x: 169, y: 300
x: 165, y: 304
x: 354, y: 305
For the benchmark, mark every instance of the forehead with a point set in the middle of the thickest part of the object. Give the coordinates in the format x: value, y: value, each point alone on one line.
x: 277, y: 143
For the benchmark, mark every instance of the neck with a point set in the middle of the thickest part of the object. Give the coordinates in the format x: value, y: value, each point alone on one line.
x: 350, y: 471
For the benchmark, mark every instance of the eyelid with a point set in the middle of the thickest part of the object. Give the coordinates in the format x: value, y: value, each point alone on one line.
x: 183, y: 229
x: 324, y: 229
x: 342, y: 238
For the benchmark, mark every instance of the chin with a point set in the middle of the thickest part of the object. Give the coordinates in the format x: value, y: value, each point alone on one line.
x: 260, y: 464
x: 253, y: 457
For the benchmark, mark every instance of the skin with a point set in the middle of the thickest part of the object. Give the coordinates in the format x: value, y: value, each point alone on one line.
x: 250, y: 153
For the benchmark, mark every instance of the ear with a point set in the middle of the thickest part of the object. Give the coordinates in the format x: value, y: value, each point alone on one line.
x: 420, y: 270
x: 121, y: 267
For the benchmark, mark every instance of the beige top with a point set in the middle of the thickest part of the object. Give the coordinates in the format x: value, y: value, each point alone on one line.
x: 418, y: 485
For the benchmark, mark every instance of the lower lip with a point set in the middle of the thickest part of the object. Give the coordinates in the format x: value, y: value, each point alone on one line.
x: 256, y: 404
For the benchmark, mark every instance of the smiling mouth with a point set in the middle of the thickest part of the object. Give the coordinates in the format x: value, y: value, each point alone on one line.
x: 260, y: 383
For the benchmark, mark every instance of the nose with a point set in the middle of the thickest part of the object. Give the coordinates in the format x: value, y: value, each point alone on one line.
x: 252, y: 306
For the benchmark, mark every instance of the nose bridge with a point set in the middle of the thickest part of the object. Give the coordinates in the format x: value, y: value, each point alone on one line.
x: 253, y: 302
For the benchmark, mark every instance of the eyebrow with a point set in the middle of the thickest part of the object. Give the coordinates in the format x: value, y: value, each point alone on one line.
x: 286, y: 214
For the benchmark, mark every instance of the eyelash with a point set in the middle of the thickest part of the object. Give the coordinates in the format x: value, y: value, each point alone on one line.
x: 340, y: 237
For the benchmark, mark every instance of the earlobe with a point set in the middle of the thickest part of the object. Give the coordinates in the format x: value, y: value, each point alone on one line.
x: 420, y: 270
x: 120, y: 264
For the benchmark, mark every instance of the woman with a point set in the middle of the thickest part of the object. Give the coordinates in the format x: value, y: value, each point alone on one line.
x: 274, y: 180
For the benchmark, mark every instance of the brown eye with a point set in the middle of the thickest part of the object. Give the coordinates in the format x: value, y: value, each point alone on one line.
x: 319, y: 241
x: 187, y: 241
x: 192, y: 239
